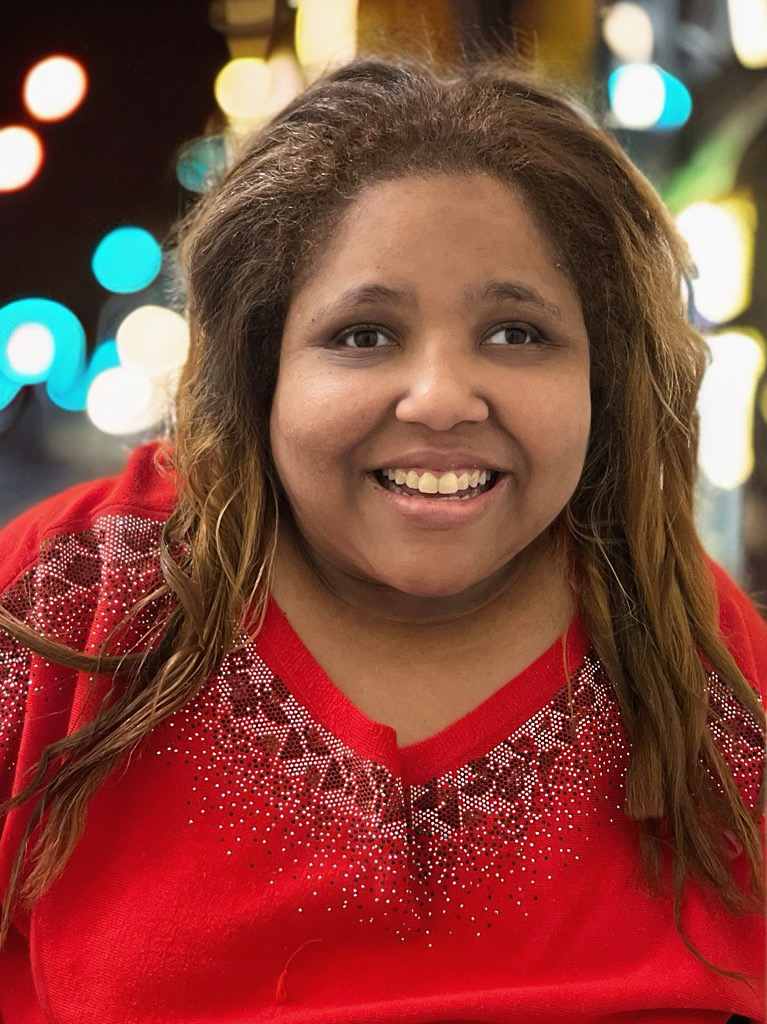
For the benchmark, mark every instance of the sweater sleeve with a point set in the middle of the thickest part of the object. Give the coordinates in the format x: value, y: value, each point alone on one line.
x: 23, y: 735
x: 60, y: 577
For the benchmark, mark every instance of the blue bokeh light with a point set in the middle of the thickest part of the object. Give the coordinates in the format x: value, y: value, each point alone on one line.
x: 126, y: 260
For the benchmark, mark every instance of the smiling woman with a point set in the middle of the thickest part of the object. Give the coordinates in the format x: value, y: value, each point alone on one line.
x: 456, y: 381
x: 427, y: 692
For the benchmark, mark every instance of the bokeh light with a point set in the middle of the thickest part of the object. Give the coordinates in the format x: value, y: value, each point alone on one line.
x: 748, y: 31
x: 628, y: 31
x: 325, y: 34
x: 677, y: 104
x: 30, y: 350
x: 202, y: 163
x: 9, y: 392
x: 68, y: 363
x: 287, y: 79
x: 126, y: 260
x: 123, y: 401
x: 637, y: 95
x: 21, y: 156
x: 645, y: 96
x: 104, y: 358
x: 721, y: 240
x: 242, y: 88
x: 726, y: 407
x: 153, y: 341
x: 55, y: 88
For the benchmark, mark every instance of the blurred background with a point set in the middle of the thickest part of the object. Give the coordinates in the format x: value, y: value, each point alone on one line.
x: 115, y: 118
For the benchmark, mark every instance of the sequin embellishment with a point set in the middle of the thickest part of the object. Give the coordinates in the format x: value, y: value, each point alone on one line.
x: 521, y: 812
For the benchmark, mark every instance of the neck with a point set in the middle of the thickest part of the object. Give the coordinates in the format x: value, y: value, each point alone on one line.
x: 373, y: 602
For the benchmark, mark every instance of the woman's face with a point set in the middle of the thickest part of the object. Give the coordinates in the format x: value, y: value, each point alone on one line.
x: 435, y: 335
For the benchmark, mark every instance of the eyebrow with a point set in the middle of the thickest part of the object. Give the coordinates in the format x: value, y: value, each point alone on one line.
x: 405, y: 297
x: 514, y: 290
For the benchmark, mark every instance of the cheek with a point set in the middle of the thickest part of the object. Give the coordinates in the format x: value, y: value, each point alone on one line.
x: 315, y: 424
x: 570, y: 434
x: 555, y: 421
x: 571, y: 425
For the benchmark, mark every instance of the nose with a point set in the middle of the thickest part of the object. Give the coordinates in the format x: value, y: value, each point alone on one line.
x: 440, y: 392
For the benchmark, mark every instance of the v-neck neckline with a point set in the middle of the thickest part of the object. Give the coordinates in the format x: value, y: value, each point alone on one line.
x: 472, y: 736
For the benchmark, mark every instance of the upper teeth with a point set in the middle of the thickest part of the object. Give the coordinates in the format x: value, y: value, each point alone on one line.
x: 447, y: 483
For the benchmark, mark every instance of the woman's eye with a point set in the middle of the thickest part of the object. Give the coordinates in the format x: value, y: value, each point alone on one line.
x: 512, y: 336
x: 516, y: 335
x: 361, y: 338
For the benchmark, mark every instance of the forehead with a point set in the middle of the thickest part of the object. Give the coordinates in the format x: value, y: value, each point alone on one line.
x: 455, y: 231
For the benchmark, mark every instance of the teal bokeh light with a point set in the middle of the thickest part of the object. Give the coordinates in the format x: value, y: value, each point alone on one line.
x: 126, y: 260
x: 678, y: 105
x: 68, y: 378
x: 105, y: 357
x: 677, y: 101
x: 202, y: 163
x: 68, y: 363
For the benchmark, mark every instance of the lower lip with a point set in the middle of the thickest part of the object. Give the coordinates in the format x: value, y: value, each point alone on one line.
x: 444, y: 515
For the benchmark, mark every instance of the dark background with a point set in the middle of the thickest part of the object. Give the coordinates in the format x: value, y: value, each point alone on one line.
x: 151, y: 69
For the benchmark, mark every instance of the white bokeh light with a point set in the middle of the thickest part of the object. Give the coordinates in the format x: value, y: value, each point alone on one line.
x: 55, y: 88
x: 748, y: 31
x: 726, y: 406
x: 639, y: 95
x: 123, y: 401
x: 153, y: 340
x: 21, y: 155
x: 627, y: 30
x: 30, y: 350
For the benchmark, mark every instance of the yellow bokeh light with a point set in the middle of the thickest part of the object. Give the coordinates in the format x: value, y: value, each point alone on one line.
x: 242, y: 88
x: 726, y: 407
x: 21, y: 156
x: 326, y: 34
x: 721, y: 240
x: 55, y: 88
x: 287, y: 79
x: 748, y: 31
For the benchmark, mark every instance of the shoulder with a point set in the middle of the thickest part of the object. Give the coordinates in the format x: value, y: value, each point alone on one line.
x: 143, y: 490
x: 742, y: 627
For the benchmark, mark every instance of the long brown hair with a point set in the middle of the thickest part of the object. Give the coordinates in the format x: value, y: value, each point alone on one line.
x: 646, y: 595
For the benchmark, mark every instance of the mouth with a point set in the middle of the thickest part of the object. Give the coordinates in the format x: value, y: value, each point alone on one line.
x: 464, y: 494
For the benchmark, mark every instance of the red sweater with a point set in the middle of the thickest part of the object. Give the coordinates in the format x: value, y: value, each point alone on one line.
x: 269, y: 852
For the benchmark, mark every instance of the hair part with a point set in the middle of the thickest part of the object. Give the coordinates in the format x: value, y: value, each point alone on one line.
x: 645, y: 594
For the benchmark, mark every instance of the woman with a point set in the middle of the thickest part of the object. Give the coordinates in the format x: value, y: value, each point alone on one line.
x: 431, y: 705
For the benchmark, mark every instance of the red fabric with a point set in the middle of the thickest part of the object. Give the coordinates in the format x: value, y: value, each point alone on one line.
x: 270, y: 852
